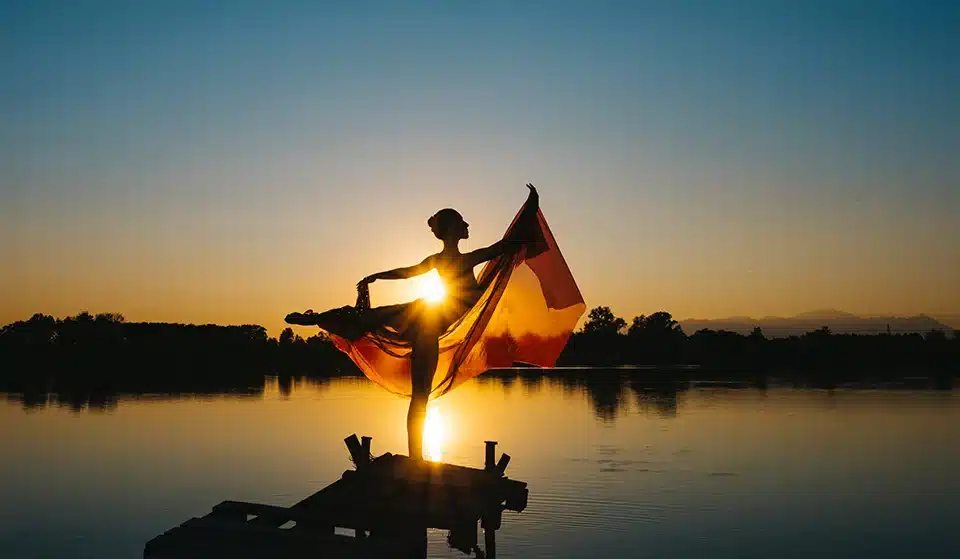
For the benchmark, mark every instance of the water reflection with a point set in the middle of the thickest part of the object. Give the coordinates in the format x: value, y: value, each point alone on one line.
x: 286, y: 385
x: 617, y: 461
x: 98, y: 398
x: 609, y: 391
x: 660, y: 401
x: 530, y: 382
x: 75, y: 400
x: 435, y: 429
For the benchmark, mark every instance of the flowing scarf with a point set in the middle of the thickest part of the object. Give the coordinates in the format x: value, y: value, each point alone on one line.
x: 529, y: 307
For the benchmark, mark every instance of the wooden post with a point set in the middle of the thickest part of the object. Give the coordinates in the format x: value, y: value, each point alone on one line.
x: 353, y: 445
x: 502, y: 463
x: 490, y: 543
x: 489, y: 462
x: 493, y: 518
x: 365, y: 448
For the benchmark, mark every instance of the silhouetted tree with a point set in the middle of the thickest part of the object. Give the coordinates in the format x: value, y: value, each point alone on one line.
x: 601, y: 320
x: 599, y: 342
x: 936, y: 336
x: 718, y: 348
x: 656, y: 339
x: 658, y: 322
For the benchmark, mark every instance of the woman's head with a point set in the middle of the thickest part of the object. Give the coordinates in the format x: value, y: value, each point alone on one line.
x: 448, y: 225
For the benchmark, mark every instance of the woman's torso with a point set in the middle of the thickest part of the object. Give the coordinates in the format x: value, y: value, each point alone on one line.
x: 459, y: 280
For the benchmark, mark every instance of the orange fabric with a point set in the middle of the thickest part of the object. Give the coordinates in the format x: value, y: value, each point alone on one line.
x: 529, y: 308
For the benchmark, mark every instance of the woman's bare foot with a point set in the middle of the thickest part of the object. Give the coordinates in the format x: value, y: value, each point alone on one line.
x: 302, y: 319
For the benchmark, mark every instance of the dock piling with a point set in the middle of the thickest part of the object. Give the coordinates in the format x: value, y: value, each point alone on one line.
x: 489, y: 462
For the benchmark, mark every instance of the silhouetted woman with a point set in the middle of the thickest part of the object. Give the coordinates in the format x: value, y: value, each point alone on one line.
x: 421, y: 322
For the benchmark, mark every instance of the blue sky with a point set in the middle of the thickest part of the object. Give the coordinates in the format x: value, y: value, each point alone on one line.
x: 233, y: 161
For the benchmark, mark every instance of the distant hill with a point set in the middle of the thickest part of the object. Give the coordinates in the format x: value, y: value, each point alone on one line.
x: 951, y: 319
x: 821, y: 314
x: 839, y: 322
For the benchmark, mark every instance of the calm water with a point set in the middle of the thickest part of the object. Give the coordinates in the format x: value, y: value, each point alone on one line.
x: 614, y: 470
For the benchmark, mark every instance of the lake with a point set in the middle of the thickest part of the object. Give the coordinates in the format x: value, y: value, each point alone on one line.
x: 615, y: 468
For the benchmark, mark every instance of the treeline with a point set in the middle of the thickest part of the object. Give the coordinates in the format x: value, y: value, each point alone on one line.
x: 658, y: 339
x: 107, y: 346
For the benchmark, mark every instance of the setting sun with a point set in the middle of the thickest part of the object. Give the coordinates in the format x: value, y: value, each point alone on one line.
x: 432, y: 289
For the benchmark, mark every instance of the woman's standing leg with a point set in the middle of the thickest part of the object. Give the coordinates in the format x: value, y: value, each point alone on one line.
x: 423, y: 365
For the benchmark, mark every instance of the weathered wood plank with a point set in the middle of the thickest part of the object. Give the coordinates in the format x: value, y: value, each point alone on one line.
x: 225, y: 537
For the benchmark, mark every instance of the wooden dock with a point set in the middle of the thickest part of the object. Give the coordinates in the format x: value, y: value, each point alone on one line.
x: 386, y: 503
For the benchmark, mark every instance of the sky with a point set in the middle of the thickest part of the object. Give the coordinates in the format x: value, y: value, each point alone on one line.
x: 234, y: 161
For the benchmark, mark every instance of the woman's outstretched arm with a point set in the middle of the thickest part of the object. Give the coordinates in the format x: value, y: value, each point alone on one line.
x: 508, y: 245
x: 401, y: 273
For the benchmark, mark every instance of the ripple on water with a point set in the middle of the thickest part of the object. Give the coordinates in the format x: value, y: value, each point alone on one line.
x: 570, y: 506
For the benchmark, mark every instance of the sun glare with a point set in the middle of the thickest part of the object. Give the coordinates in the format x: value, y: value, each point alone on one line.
x: 432, y: 289
x: 434, y: 435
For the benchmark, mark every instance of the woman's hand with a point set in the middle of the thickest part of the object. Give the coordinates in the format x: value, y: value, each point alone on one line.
x: 367, y: 280
x: 533, y: 199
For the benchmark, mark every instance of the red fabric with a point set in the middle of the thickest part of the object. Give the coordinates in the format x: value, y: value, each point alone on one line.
x: 529, y: 308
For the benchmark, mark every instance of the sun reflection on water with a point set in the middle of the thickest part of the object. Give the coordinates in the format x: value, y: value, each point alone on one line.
x: 434, y: 434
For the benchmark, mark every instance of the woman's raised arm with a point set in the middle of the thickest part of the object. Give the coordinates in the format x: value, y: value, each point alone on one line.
x: 524, y: 226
